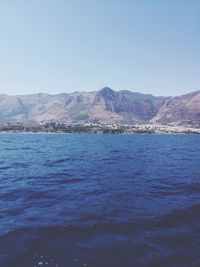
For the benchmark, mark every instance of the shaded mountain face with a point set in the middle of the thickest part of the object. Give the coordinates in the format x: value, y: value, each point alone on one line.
x: 103, y: 106
x: 183, y: 109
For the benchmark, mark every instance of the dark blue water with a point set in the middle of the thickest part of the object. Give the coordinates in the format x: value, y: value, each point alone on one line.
x: 99, y: 200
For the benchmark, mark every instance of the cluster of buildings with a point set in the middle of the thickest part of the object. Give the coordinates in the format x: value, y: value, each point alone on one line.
x: 96, y: 128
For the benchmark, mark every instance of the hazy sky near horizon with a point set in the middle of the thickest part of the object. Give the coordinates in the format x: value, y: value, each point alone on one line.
x: 149, y: 46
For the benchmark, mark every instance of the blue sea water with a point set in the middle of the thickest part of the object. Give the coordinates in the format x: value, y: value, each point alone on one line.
x: 99, y: 200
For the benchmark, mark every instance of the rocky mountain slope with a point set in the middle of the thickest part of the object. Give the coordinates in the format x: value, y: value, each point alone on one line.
x: 103, y: 106
x: 184, y: 109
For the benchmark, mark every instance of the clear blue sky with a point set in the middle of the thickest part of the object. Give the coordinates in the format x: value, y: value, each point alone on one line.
x: 150, y: 46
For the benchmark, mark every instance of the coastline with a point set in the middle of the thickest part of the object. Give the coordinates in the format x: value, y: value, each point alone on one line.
x: 90, y: 133
x: 62, y: 128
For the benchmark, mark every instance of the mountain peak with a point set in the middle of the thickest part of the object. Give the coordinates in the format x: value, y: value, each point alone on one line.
x: 106, y: 89
x: 107, y: 92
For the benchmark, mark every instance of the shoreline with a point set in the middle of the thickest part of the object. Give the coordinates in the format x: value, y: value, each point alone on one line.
x: 90, y: 133
x: 62, y: 128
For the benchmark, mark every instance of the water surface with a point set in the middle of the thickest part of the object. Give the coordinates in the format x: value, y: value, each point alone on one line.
x: 99, y: 200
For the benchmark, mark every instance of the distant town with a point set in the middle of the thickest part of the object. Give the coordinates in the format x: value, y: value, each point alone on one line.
x: 96, y: 128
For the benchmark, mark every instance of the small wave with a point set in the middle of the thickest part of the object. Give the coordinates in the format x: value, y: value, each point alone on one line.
x: 191, y: 188
x: 70, y: 181
x: 5, y: 167
x: 14, y: 166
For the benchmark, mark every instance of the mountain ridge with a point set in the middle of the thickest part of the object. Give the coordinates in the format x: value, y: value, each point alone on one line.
x: 103, y: 106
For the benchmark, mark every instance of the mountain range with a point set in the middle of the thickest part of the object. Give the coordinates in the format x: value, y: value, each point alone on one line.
x: 103, y: 106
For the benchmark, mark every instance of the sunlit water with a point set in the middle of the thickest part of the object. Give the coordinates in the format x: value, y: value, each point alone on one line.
x: 99, y: 200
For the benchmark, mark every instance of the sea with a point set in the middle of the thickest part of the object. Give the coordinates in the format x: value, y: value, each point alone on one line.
x: 69, y: 200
